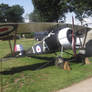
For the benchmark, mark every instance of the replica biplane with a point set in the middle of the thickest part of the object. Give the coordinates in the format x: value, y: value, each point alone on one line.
x: 60, y: 38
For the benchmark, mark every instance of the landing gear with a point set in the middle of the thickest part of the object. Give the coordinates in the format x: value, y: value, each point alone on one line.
x: 62, y: 64
x: 87, y: 60
x: 59, y: 62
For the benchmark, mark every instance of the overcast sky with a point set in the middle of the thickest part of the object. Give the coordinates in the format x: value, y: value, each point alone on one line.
x: 28, y: 7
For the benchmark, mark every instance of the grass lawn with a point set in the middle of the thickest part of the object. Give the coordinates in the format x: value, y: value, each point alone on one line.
x: 24, y: 74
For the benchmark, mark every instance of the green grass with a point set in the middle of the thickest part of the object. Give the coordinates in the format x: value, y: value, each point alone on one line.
x: 23, y: 74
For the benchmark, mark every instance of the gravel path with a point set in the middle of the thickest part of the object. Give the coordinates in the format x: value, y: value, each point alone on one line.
x: 84, y: 86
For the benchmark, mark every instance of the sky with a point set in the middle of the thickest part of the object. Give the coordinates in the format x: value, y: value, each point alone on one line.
x: 76, y: 21
x: 28, y: 7
x: 27, y: 4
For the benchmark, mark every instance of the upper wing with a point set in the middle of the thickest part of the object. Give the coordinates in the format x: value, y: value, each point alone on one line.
x: 10, y: 28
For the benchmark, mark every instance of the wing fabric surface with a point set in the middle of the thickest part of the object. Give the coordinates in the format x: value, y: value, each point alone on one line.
x: 7, y: 29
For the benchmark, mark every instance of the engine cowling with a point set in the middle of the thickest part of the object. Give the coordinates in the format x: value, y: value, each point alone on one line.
x: 65, y: 37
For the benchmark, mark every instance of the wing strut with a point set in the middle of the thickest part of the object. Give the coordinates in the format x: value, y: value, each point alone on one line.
x: 14, y: 43
x: 73, y: 38
x: 12, y: 48
x: 84, y: 39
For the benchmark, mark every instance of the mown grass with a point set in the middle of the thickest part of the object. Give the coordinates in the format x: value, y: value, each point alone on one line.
x: 26, y: 75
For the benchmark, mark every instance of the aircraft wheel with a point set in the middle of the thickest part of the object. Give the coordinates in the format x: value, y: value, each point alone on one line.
x: 59, y: 62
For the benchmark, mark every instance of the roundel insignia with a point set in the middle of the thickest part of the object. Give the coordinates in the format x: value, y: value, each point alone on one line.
x: 6, y: 29
x: 38, y: 49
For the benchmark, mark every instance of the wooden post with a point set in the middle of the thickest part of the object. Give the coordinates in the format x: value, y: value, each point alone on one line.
x: 67, y: 66
x: 87, y: 60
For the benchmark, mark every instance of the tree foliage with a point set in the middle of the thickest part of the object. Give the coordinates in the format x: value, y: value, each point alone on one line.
x: 82, y: 8
x: 51, y: 10
x: 35, y: 16
x: 11, y: 13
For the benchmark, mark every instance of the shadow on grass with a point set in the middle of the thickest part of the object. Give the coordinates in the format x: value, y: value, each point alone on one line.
x: 33, y: 67
x: 43, y: 57
x: 36, y: 66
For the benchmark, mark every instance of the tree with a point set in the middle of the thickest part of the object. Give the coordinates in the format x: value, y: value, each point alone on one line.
x: 11, y: 14
x: 35, y: 16
x: 49, y: 10
x: 82, y: 8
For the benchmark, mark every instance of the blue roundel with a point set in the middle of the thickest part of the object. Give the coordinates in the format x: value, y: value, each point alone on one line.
x: 38, y: 49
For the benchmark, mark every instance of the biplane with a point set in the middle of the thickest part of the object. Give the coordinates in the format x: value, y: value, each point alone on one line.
x: 60, y: 38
